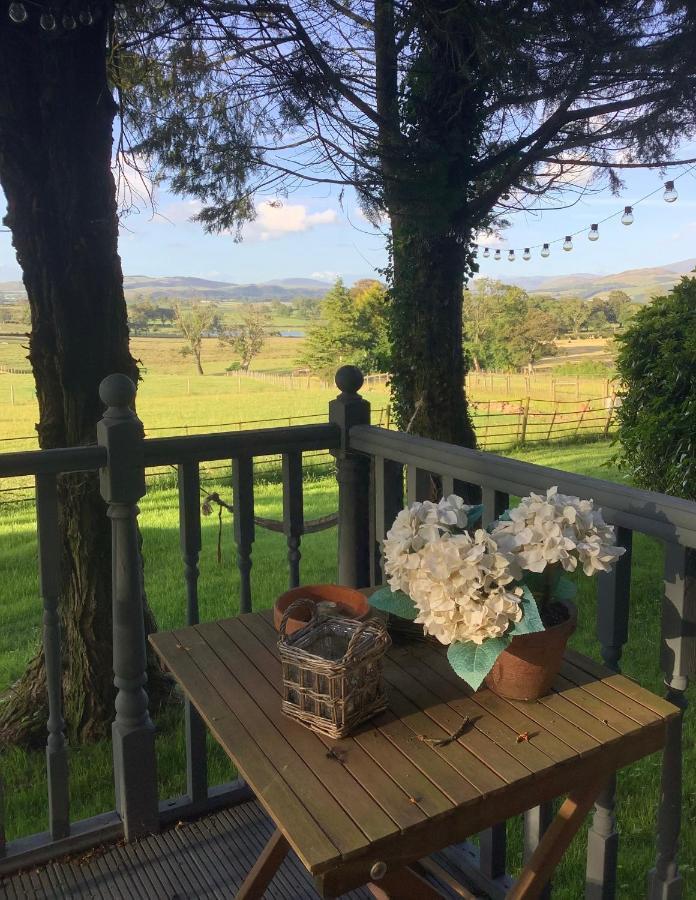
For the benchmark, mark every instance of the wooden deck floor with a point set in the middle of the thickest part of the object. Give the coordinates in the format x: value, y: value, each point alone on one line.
x: 202, y: 859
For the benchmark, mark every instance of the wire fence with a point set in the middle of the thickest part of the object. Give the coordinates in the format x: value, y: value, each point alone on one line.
x: 500, y: 424
x: 510, y: 423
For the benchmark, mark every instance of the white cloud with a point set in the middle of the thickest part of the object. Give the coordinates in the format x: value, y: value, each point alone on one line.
x: 488, y: 240
x: 275, y: 220
x: 325, y: 276
x: 180, y: 211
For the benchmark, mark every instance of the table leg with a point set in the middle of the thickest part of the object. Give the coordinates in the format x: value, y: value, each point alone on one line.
x: 555, y: 841
x: 265, y: 867
x: 403, y: 884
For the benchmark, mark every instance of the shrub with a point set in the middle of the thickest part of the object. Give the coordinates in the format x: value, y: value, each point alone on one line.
x: 657, y: 418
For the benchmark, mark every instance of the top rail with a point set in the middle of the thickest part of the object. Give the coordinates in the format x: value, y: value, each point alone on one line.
x: 178, y: 449
x: 52, y: 462
x: 228, y: 445
x: 647, y: 512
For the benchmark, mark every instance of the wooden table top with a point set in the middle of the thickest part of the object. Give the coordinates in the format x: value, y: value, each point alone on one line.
x: 390, y: 792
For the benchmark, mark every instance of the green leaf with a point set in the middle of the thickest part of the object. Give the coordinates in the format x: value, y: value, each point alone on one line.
x: 472, y: 662
x: 531, y: 620
x: 396, y: 602
x: 565, y: 589
x: 474, y: 515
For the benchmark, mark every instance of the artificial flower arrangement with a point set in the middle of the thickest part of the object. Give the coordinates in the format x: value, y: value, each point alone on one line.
x: 475, y: 589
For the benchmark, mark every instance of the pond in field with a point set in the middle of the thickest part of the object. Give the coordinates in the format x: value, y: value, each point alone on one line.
x: 292, y: 332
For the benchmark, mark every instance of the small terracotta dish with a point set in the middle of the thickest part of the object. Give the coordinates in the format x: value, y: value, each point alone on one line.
x: 348, y: 602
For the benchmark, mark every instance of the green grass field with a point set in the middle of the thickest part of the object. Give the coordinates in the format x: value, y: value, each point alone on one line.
x: 92, y: 791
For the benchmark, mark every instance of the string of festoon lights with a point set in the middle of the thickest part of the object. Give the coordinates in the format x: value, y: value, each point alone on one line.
x: 669, y: 195
x: 65, y: 16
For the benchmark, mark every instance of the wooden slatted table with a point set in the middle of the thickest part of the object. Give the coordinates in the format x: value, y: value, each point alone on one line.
x: 397, y: 790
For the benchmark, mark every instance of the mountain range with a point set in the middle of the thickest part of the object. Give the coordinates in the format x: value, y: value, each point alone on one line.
x: 185, y: 288
x: 639, y: 284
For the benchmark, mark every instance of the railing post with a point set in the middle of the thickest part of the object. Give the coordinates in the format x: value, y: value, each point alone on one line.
x: 122, y: 484
x: 353, y: 475
x: 613, y: 603
x: 678, y: 661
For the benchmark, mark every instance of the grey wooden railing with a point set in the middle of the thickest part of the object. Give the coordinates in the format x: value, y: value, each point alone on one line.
x: 377, y: 471
x: 401, y: 469
x: 121, y: 456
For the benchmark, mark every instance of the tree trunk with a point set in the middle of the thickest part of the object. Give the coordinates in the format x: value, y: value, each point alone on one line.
x: 56, y: 119
x: 428, y: 363
x: 427, y: 139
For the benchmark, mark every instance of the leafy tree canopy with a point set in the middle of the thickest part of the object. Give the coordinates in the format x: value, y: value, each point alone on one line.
x: 352, y: 329
x: 657, y: 416
x: 504, y: 328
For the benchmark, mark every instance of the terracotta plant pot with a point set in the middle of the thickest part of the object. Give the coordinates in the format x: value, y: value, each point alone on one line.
x: 527, y: 668
x: 349, y: 602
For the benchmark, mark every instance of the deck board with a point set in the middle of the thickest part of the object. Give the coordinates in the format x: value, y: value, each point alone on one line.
x: 204, y: 859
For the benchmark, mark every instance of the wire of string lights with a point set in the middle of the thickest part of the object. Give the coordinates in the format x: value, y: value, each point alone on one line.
x: 626, y: 216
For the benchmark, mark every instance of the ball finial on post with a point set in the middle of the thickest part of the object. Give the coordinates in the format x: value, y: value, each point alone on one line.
x: 349, y: 379
x: 117, y: 391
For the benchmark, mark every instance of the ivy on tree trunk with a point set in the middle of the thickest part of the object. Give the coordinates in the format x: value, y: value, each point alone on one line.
x: 56, y: 120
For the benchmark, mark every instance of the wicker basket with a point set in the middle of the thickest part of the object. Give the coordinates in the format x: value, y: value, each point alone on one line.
x: 332, y: 672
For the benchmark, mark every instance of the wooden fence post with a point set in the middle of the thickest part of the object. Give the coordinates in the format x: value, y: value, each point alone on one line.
x: 353, y: 475
x: 122, y: 484
x: 610, y: 413
x: 582, y: 416
x: 525, y: 417
x: 553, y: 420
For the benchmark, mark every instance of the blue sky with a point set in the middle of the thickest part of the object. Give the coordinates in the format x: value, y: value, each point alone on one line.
x: 312, y: 234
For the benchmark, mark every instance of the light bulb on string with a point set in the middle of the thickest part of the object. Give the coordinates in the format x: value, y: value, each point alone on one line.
x: 627, y: 217
x: 18, y: 13
x: 69, y: 22
x: 85, y: 17
x: 526, y: 255
x: 497, y: 255
x: 486, y: 252
x: 511, y: 256
x: 594, y: 233
x: 48, y: 21
x: 568, y: 243
x: 670, y: 194
x: 545, y: 251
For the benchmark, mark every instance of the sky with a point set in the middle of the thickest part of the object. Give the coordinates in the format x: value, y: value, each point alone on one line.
x: 313, y: 234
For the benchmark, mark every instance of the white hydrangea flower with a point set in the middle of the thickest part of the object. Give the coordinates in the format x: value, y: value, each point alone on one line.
x: 461, y: 584
x: 558, y: 529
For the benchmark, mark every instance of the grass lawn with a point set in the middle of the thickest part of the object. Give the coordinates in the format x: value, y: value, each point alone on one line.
x: 91, y: 788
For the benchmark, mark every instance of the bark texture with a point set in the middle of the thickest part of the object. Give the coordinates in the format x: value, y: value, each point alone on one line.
x: 427, y: 139
x: 56, y: 120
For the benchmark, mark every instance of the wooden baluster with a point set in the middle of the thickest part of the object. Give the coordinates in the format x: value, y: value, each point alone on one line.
x: 389, y: 500
x: 613, y: 603
x: 493, y: 841
x: 536, y: 821
x: 243, y: 502
x: 419, y: 484
x: 494, y: 505
x: 353, y: 475
x: 122, y: 484
x: 293, y: 512
x: 49, y: 547
x: 678, y: 660
x: 190, y: 540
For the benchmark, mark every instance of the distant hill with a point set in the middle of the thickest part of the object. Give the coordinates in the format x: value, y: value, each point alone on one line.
x: 640, y: 284
x: 203, y: 289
